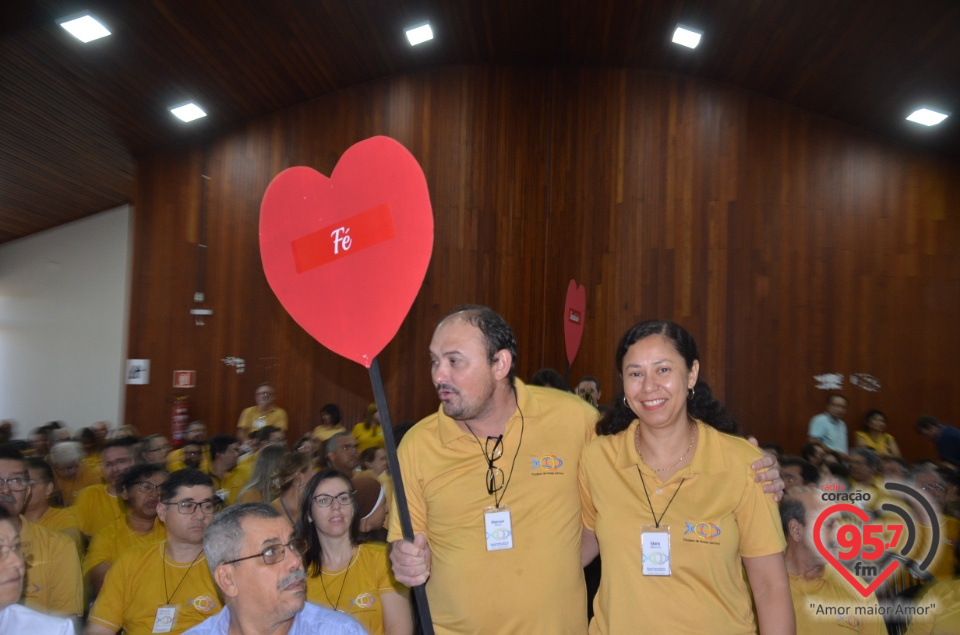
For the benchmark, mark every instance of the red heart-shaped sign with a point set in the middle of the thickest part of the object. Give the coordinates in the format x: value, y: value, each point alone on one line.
x: 346, y: 255
x: 574, y: 313
x: 854, y: 582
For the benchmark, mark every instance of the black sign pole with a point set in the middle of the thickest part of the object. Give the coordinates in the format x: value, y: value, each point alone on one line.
x: 400, y: 495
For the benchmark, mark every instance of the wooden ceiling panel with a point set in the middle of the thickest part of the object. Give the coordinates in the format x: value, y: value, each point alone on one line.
x: 75, y: 117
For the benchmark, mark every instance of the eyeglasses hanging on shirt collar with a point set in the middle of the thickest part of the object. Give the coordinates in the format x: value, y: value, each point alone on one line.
x: 494, y: 473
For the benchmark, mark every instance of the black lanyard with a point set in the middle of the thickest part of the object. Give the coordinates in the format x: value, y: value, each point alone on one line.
x: 656, y: 521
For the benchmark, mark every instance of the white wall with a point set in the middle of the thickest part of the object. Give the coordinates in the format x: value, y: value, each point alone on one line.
x: 63, y: 323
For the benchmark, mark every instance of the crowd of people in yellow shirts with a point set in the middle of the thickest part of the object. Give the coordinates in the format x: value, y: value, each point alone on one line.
x: 99, y: 516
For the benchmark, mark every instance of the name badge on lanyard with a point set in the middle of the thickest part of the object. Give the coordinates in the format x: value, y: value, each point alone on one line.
x: 498, y: 528
x: 166, y: 616
x: 655, y: 550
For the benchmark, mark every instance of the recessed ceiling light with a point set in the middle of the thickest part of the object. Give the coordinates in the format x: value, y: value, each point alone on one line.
x: 926, y: 117
x: 188, y: 112
x: 686, y: 36
x: 419, y: 34
x: 85, y: 28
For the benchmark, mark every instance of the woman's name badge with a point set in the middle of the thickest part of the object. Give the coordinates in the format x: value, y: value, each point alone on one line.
x: 166, y: 616
x: 655, y: 550
x: 499, y: 529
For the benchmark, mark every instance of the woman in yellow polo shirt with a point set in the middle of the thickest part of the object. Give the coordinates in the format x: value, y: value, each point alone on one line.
x: 342, y: 573
x: 875, y: 436
x: 671, y: 497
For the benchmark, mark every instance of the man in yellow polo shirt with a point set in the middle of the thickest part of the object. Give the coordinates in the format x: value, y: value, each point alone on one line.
x: 98, y: 505
x: 139, y: 487
x: 228, y: 478
x: 70, y: 471
x: 196, y: 432
x: 53, y: 582
x: 39, y: 510
x: 265, y: 413
x: 163, y: 587
x: 495, y: 443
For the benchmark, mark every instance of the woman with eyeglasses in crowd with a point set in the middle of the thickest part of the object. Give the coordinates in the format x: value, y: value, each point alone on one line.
x: 343, y: 573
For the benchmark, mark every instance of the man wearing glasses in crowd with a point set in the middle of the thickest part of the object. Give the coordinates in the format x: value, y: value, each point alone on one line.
x: 256, y: 562
x: 163, y: 587
x: 139, y: 487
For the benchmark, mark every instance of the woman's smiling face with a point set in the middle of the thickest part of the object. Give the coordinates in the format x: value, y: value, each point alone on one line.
x: 656, y: 381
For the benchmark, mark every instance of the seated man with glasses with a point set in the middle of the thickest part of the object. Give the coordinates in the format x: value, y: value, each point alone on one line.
x: 98, y: 505
x: 139, y: 487
x: 155, y: 449
x: 256, y: 562
x: 43, y: 496
x: 164, y: 587
x: 52, y: 584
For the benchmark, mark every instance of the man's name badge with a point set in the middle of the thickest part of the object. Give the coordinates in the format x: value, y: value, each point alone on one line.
x: 498, y: 527
x: 655, y: 550
x: 166, y: 616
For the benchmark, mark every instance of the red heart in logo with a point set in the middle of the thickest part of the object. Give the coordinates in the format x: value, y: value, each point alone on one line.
x: 346, y: 255
x: 859, y: 513
x: 574, y: 313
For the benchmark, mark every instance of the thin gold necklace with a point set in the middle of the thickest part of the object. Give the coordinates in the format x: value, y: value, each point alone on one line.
x: 636, y: 440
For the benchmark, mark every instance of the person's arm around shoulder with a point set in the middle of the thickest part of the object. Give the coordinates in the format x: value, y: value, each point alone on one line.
x: 771, y: 592
x: 411, y: 561
x: 97, y: 629
x: 767, y: 470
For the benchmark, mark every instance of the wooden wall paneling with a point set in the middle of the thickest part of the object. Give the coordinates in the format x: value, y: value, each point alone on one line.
x: 588, y: 144
x: 790, y: 246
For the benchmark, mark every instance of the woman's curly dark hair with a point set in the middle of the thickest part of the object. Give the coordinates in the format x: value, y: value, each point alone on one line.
x: 702, y: 405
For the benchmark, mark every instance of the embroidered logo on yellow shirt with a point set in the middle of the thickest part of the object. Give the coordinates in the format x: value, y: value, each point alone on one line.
x: 204, y: 603
x: 547, y: 464
x: 703, y: 529
x: 363, y: 601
